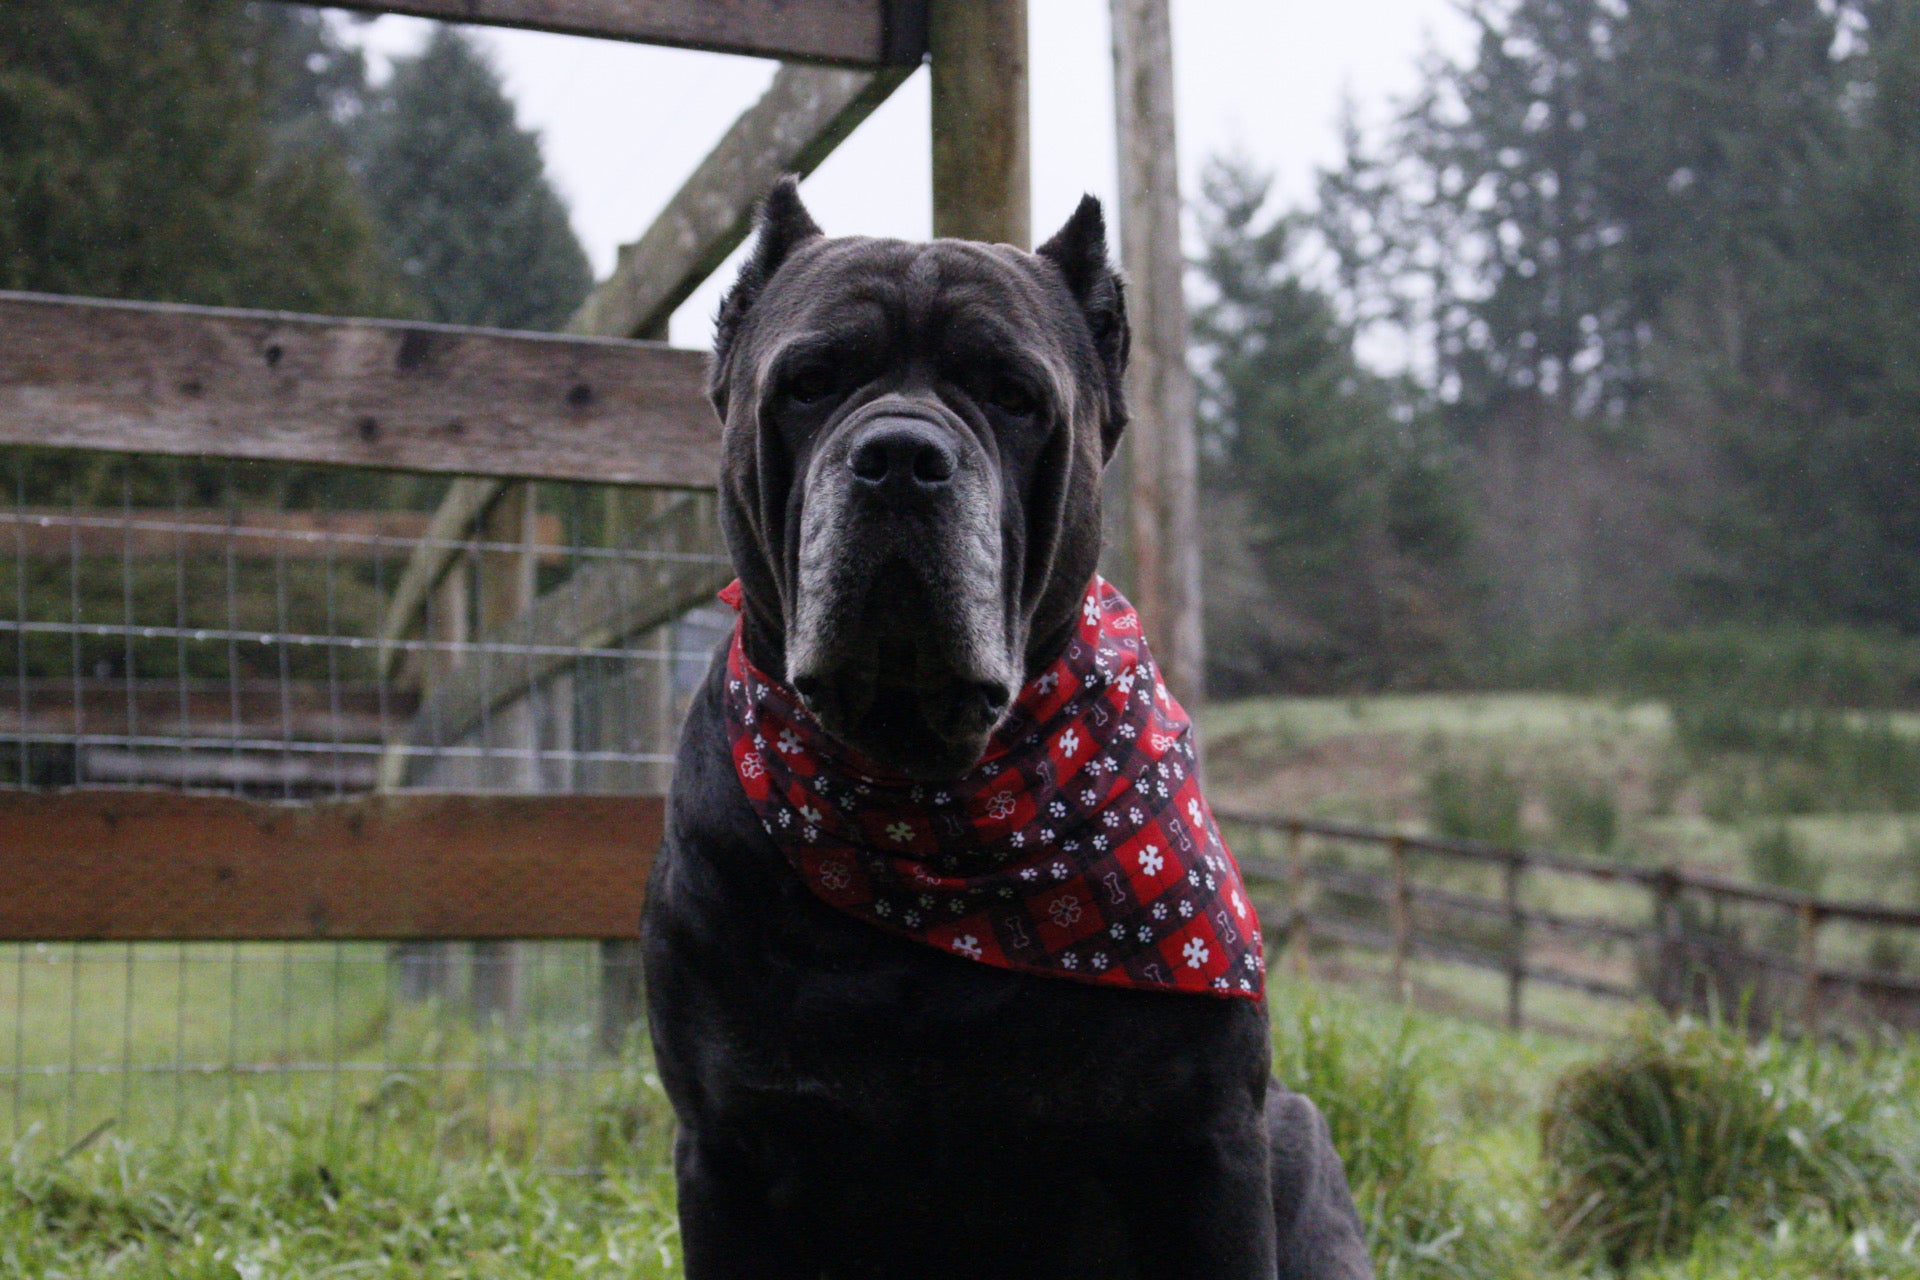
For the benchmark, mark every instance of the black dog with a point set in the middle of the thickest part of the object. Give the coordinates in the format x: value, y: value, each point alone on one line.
x: 911, y: 498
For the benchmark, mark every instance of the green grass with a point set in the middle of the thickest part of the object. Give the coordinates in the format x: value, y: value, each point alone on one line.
x: 1439, y: 1122
x: 287, y: 1197
x: 155, y: 1038
x: 268, y: 1111
x: 1442, y: 1124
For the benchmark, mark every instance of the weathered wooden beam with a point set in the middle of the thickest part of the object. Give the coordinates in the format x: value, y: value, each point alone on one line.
x: 802, y: 117
x: 600, y: 605
x: 131, y: 377
x: 144, y: 533
x: 982, y: 184
x: 1163, y: 500
x: 159, y: 865
x: 856, y: 32
x: 209, y: 712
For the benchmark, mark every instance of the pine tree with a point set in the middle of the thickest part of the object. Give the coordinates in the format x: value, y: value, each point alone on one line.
x: 462, y: 195
x: 1538, y: 207
x: 137, y: 160
x: 1688, y: 229
x: 1344, y: 533
x: 1820, y: 397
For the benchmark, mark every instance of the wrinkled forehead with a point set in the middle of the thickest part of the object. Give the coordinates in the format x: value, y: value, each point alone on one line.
x: 948, y: 301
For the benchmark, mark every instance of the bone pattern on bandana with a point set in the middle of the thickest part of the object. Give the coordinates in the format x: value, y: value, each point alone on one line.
x: 1079, y: 847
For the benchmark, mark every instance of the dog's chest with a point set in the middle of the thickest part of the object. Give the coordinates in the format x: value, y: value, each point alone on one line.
x: 846, y: 1017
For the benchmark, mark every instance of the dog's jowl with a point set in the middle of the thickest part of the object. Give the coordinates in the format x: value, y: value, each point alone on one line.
x: 949, y: 971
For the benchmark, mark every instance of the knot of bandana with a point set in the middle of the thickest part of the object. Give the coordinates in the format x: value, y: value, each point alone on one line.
x: 1079, y: 847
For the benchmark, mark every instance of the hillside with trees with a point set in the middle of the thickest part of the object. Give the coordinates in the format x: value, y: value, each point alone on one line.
x: 1660, y: 261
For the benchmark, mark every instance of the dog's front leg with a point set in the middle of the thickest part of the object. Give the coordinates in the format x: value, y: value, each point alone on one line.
x: 726, y: 1221
x: 1206, y: 1211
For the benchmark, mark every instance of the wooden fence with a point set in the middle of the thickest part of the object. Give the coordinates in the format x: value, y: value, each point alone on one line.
x: 1614, y: 931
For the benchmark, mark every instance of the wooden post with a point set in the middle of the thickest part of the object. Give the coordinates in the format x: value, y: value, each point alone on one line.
x: 450, y: 628
x: 426, y: 968
x: 1165, y: 521
x: 1809, y: 966
x: 505, y: 590
x: 1669, y: 971
x: 1400, y: 913
x: 982, y: 185
x: 1516, y: 943
x: 1300, y: 935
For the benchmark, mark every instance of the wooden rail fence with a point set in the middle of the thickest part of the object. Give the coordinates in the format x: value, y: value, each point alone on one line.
x: 1692, y: 943
x: 606, y: 403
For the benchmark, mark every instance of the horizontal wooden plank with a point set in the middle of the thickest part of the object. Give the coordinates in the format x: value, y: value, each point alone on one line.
x: 208, y: 714
x: 273, y: 773
x: 345, y: 537
x: 205, y: 382
x: 160, y: 865
x: 858, y: 32
x: 1652, y: 879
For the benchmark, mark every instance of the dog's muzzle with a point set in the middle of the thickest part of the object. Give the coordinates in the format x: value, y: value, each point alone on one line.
x: 900, y: 644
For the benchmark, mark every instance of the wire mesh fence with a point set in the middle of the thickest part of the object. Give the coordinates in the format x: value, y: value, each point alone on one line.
x: 232, y: 627
x: 154, y: 1041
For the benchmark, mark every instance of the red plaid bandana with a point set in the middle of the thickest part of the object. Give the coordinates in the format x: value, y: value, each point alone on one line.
x: 1079, y: 847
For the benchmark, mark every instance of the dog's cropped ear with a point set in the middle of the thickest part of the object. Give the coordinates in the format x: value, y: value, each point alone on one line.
x: 1079, y: 249
x: 782, y: 224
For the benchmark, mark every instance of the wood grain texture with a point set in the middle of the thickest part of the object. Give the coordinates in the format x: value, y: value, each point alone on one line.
x: 802, y: 117
x: 799, y: 120
x: 194, y: 381
x: 344, y: 537
x: 158, y: 865
x: 857, y: 32
x: 982, y: 186
x: 1162, y: 500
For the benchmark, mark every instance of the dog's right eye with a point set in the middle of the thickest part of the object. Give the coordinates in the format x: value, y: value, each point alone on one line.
x: 811, y: 384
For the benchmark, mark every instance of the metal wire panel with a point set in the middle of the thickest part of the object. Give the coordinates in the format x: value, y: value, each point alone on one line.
x: 217, y: 626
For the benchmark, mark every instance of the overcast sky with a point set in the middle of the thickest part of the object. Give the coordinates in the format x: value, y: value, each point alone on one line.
x: 622, y: 125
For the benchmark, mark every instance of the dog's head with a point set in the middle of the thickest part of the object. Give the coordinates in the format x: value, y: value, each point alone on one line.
x: 914, y: 440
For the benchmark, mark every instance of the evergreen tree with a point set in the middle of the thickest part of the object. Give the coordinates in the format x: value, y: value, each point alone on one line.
x: 1344, y: 527
x: 1818, y: 390
x: 1693, y: 226
x: 137, y: 160
x: 462, y: 195
x: 1537, y: 208
x: 318, y: 81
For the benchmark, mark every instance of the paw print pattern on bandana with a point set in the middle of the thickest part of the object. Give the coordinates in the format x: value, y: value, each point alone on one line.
x: 1082, y: 825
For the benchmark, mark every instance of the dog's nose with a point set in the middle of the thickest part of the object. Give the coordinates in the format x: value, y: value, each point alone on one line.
x: 901, y: 457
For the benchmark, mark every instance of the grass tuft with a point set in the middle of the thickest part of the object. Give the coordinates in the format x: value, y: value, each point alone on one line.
x: 1690, y: 1129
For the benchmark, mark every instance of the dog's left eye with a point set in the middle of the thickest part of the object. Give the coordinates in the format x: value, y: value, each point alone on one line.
x: 1013, y: 398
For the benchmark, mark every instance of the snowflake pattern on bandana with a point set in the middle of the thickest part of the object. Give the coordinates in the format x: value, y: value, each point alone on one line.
x: 1079, y: 847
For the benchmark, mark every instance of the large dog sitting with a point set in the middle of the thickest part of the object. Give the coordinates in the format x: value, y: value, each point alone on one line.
x: 948, y: 973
